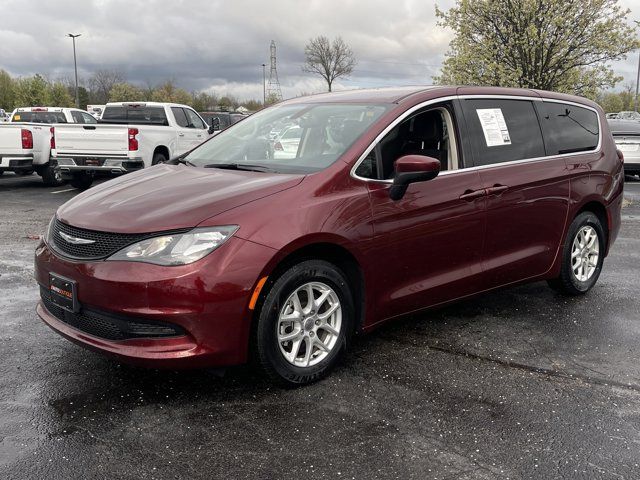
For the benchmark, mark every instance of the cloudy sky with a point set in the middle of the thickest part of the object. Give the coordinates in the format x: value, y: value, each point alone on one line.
x: 219, y: 45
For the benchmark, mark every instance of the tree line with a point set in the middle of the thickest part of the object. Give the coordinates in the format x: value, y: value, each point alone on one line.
x: 106, y: 86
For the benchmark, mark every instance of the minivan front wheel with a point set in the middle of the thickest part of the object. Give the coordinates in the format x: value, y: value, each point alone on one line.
x: 305, y: 323
x: 582, y: 256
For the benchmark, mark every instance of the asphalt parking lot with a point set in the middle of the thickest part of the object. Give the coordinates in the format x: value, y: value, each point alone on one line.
x: 519, y: 383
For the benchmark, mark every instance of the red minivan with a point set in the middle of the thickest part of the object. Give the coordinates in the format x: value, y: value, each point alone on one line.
x: 385, y: 202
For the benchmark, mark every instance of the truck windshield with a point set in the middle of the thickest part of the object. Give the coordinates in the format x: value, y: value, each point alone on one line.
x: 323, y: 132
x: 143, y: 115
x: 39, y: 117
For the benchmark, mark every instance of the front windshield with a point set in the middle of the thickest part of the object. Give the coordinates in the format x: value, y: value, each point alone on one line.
x: 298, y: 138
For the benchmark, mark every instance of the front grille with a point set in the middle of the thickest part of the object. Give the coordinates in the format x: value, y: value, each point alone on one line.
x: 109, y: 327
x: 105, y: 243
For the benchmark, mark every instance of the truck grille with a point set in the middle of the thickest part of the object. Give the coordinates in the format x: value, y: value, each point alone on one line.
x: 104, y: 244
x: 108, y: 327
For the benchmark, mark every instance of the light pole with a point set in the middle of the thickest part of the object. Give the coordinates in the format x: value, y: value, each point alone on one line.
x: 635, y: 99
x: 264, y: 85
x: 75, y: 64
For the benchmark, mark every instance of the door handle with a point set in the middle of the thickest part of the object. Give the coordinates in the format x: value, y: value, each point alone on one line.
x: 181, y: 134
x: 199, y: 136
x: 497, y: 189
x: 470, y: 195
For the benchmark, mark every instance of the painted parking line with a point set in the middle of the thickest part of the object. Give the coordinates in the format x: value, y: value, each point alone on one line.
x: 62, y: 191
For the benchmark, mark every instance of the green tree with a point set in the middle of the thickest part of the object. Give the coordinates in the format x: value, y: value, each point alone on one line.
x: 611, y: 102
x: 59, y: 96
x: 561, y: 45
x: 31, y: 91
x: 168, y: 92
x: 252, y: 105
x: 6, y: 91
x: 330, y: 60
x: 202, y: 101
x: 125, y: 92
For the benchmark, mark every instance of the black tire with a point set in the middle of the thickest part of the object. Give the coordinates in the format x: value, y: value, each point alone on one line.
x: 159, y: 157
x: 567, y: 282
x: 267, y: 347
x: 81, y: 181
x: 51, y: 176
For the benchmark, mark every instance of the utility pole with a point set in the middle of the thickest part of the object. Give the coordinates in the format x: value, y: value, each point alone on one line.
x: 264, y: 85
x: 274, y: 92
x: 75, y: 64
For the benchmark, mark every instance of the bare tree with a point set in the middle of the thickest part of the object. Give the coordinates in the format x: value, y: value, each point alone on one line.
x: 102, y: 81
x: 328, y: 59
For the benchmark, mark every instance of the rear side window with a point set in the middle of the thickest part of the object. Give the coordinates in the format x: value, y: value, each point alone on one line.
x: 181, y: 117
x: 569, y: 128
x: 503, y: 130
x: 142, y: 115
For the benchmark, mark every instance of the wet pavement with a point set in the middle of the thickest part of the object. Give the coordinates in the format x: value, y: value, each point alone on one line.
x: 519, y: 383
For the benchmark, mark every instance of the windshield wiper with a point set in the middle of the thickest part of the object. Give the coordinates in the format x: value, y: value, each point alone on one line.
x: 240, y: 166
x: 180, y: 159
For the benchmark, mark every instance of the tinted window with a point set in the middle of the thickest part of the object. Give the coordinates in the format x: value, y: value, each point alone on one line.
x: 131, y: 114
x: 503, y: 130
x: 39, y: 117
x: 194, y: 120
x: 568, y: 128
x: 181, y: 118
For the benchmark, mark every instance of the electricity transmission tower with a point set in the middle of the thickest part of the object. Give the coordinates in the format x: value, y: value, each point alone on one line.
x: 274, y: 92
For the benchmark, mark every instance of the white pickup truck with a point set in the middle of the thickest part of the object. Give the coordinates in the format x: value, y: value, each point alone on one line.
x: 128, y: 137
x: 25, y: 141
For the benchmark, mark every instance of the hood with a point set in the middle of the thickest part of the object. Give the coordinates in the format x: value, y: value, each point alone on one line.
x: 167, y: 197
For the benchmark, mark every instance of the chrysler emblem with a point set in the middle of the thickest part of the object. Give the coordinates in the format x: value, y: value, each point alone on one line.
x: 76, y: 240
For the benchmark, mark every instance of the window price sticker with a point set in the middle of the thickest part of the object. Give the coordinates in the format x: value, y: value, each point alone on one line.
x: 494, y: 127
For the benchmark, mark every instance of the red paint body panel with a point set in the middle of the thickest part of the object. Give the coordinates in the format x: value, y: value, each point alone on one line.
x: 428, y: 248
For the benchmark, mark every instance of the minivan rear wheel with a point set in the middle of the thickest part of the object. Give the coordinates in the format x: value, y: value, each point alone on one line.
x: 305, y: 323
x: 582, y: 256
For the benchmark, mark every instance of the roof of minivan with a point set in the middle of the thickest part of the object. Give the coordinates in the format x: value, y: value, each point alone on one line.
x: 419, y: 93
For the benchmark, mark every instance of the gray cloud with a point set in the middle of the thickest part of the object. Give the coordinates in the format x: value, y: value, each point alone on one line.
x: 220, y: 45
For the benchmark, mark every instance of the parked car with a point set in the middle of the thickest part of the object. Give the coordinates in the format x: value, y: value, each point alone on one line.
x: 628, y: 116
x: 627, y: 137
x: 424, y: 196
x: 25, y: 143
x: 611, y: 116
x: 4, y: 116
x: 287, y: 143
x: 95, y: 110
x: 222, y: 120
x: 129, y: 136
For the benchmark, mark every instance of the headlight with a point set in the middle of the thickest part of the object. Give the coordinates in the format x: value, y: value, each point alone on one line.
x: 178, y: 249
x: 47, y: 231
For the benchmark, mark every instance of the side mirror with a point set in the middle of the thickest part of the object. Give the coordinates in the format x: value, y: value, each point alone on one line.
x: 411, y: 169
x: 215, y: 125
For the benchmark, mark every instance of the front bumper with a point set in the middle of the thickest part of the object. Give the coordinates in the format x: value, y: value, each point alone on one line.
x: 16, y: 163
x: 99, y: 164
x: 208, y: 300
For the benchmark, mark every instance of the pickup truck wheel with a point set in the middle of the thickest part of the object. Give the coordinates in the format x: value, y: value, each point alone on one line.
x: 81, y: 181
x: 51, y: 176
x: 158, y: 157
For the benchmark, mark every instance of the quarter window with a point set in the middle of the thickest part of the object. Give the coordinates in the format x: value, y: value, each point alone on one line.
x: 503, y: 130
x: 568, y: 128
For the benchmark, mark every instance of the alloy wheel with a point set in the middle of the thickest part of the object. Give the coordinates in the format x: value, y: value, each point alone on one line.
x: 309, y: 324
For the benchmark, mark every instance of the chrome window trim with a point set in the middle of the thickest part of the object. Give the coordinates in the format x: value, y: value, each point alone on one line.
x: 422, y: 105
